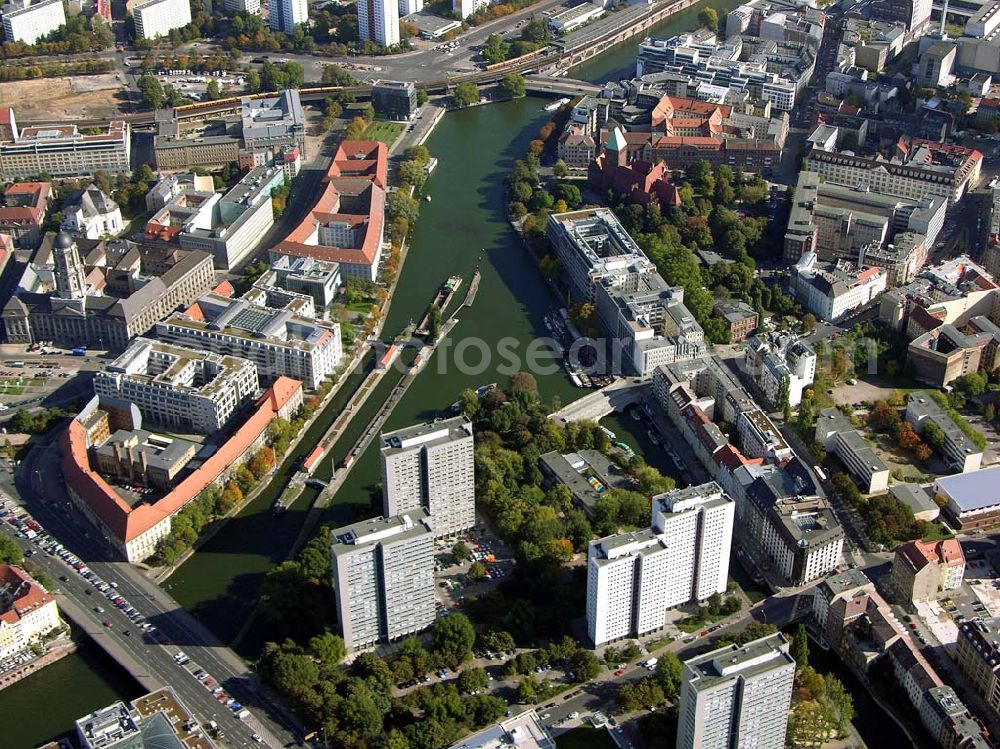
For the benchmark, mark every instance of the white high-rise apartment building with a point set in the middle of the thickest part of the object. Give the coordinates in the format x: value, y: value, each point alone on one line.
x: 737, y: 697
x: 285, y: 15
x: 431, y: 466
x: 378, y: 21
x: 252, y: 7
x: 383, y: 577
x: 29, y: 23
x: 406, y: 7
x: 159, y: 17
x: 633, y: 578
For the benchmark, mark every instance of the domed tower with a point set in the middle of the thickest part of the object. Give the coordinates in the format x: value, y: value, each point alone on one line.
x: 71, y: 281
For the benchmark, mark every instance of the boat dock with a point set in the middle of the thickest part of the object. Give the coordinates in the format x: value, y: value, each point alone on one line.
x: 441, y: 300
x: 287, y: 498
x: 470, y: 297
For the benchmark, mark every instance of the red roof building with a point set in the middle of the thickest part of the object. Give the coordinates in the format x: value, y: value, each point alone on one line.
x: 27, y: 611
x: 137, y: 530
x: 641, y: 181
x: 922, y: 569
x: 347, y: 222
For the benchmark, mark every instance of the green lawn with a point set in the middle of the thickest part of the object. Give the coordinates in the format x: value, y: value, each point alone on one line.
x: 383, y: 130
x: 9, y: 386
x: 937, y: 532
x: 585, y: 737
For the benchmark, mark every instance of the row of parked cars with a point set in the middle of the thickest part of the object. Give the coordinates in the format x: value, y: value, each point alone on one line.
x: 184, y: 661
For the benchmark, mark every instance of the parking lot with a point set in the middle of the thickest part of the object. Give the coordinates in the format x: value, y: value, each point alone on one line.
x: 453, y: 580
x: 979, y: 596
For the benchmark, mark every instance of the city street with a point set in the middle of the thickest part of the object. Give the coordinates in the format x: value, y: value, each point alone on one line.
x: 38, y: 482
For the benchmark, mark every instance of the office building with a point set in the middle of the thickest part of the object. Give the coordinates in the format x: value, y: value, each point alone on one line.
x: 936, y: 64
x: 159, y: 17
x: 781, y: 366
x: 378, y: 22
x: 431, y: 466
x: 737, y: 696
x: 847, y: 222
x: 179, y: 388
x: 314, y: 282
x: 135, y: 528
x: 27, y: 611
x: 280, y: 342
x: 977, y: 653
x: 633, y: 578
x: 741, y: 319
x: 773, y: 72
x: 29, y: 23
x: 524, y: 731
x: 383, y: 578
x: 956, y: 448
x: 838, y: 436
x: 918, y: 169
x: 946, y: 353
x: 346, y: 223
x: 138, y: 289
x: 972, y: 500
x: 394, y: 100
x: 832, y: 291
x: 255, y: 132
x: 285, y: 15
x: 63, y: 150
x: 158, y: 719
x: 922, y: 569
x: 586, y: 473
x: 227, y: 226
x: 591, y: 244
x: 141, y: 457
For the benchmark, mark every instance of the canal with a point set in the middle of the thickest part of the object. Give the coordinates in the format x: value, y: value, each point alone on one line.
x: 461, y: 229
x: 618, y: 63
x: 45, y: 705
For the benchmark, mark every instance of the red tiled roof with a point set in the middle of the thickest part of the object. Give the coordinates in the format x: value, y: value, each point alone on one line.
x: 27, y: 594
x: 224, y: 289
x: 918, y: 554
x: 128, y: 523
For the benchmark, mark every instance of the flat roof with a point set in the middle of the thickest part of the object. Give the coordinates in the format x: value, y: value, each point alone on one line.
x: 444, y: 430
x: 974, y: 490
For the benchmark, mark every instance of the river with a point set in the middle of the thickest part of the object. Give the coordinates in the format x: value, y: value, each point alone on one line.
x: 45, y: 705
x: 462, y: 228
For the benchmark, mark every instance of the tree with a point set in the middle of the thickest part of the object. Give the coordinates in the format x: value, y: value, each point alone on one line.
x: 151, y: 90
x: 808, y: 322
x: 10, y: 552
x: 328, y: 648
x: 496, y: 641
x: 460, y: 551
x: 465, y: 95
x: 477, y: 571
x: 560, y: 170
x: 668, y: 674
x: 422, y: 97
x: 709, y: 18
x: 512, y: 85
x: 585, y: 665
x: 334, y: 75
x: 644, y: 693
x: 496, y: 49
x: 453, y: 637
x: 800, y: 647
x: 472, y: 679
x: 355, y: 129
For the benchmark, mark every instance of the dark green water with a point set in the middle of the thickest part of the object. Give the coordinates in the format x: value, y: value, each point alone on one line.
x: 618, y: 62
x: 45, y: 705
x: 461, y: 229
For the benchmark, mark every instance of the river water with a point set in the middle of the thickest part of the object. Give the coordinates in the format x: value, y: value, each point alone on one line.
x: 462, y: 229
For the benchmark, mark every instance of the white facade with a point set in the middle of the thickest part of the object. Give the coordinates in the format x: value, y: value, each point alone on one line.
x: 26, y: 611
x: 832, y: 291
x: 160, y: 17
x: 179, y: 388
x: 378, y: 21
x: 251, y: 7
x: 431, y: 466
x: 94, y: 216
x: 285, y: 15
x: 31, y: 23
x: 634, y: 578
x: 737, y: 697
x: 383, y: 578
x: 406, y: 7
x: 466, y: 8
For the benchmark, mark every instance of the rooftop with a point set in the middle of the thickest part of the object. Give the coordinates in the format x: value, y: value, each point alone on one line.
x: 972, y: 491
x: 419, y: 435
x: 707, y: 671
x: 349, y: 538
